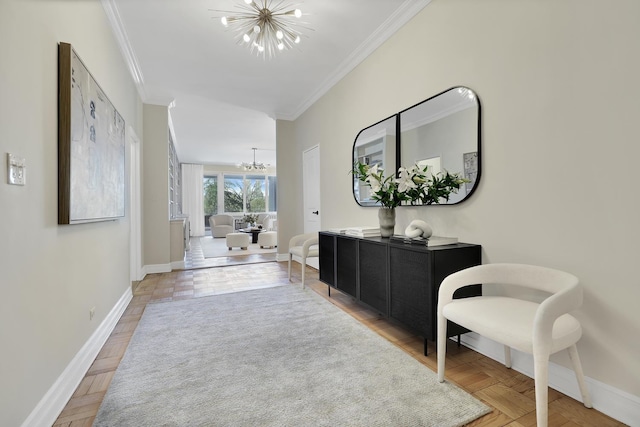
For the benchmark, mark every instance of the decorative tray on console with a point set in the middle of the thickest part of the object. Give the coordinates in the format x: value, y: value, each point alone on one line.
x: 430, y: 242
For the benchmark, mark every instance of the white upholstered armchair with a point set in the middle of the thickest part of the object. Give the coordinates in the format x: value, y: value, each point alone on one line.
x: 266, y: 221
x: 221, y: 225
x: 303, y: 246
x: 540, y: 329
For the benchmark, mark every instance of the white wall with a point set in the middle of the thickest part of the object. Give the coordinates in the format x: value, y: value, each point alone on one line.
x: 560, y: 105
x: 51, y: 275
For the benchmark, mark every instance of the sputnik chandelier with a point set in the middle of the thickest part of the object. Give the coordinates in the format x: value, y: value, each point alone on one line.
x: 265, y: 26
x: 253, y: 166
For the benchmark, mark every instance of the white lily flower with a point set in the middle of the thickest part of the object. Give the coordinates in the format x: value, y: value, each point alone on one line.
x: 374, y: 183
x: 373, y: 170
x: 405, y: 182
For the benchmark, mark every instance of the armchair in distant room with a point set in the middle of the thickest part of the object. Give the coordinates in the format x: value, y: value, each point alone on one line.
x: 266, y: 221
x: 221, y: 225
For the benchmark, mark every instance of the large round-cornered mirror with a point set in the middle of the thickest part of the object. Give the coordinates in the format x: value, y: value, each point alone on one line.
x: 441, y: 132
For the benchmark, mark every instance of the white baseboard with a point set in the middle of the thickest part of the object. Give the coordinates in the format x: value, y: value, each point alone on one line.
x: 609, y: 400
x: 282, y: 257
x: 162, y: 268
x: 54, y: 401
x: 156, y: 268
x: 177, y: 265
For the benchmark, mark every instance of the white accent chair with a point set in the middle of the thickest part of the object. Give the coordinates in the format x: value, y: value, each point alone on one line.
x: 221, y: 225
x: 540, y: 329
x: 303, y: 246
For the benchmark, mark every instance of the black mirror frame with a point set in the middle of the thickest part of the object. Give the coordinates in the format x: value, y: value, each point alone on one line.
x: 399, y: 145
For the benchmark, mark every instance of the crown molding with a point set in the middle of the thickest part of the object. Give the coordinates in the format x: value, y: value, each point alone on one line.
x: 128, y: 54
x: 397, y: 20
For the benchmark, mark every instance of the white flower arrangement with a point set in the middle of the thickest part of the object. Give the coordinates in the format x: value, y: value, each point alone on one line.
x: 415, y: 185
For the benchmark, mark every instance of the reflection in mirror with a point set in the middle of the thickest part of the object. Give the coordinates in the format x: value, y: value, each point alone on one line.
x: 374, y: 145
x: 443, y: 132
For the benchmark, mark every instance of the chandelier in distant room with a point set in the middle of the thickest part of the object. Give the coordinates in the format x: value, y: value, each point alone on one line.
x: 265, y: 26
x: 253, y: 166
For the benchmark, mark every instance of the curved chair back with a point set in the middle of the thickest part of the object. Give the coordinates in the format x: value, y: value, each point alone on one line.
x: 221, y: 219
x: 522, y: 275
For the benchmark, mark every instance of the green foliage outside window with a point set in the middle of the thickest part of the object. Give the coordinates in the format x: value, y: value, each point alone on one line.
x: 255, y: 195
x: 233, y: 189
x: 210, y: 195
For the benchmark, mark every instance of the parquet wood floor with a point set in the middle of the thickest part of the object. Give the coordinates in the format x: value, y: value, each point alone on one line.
x: 509, y: 393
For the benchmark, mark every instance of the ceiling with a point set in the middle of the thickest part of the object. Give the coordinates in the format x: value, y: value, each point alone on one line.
x: 224, y: 98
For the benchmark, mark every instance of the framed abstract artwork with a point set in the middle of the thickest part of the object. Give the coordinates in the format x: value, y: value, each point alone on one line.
x: 91, y: 146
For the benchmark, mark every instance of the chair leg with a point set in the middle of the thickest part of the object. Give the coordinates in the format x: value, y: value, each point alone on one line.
x: 303, y: 266
x: 507, y: 356
x: 442, y: 346
x: 577, y: 367
x: 290, y: 256
x: 541, y: 377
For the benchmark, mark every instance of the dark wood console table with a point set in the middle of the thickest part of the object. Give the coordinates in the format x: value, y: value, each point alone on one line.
x: 398, y: 280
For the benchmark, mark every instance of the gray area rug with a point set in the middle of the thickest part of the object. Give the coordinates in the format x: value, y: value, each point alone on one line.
x: 280, y: 356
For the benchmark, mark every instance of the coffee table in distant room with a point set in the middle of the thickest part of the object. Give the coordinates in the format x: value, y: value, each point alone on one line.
x: 254, y: 233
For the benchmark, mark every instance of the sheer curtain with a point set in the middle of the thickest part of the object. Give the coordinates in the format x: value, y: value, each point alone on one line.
x: 192, y: 203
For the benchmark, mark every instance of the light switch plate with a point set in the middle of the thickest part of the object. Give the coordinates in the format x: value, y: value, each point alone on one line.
x: 16, y: 170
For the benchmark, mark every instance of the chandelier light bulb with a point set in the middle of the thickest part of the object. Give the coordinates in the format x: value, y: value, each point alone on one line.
x: 246, y: 38
x: 297, y: 40
x: 224, y: 21
x: 280, y: 46
x: 279, y: 35
x: 248, y: 1
x: 260, y: 48
x: 297, y: 13
x: 257, y: 29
